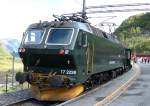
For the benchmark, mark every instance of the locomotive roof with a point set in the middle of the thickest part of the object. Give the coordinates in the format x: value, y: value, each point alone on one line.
x: 71, y: 24
x: 74, y: 24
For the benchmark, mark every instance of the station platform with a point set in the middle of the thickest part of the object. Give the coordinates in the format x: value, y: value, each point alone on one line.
x: 138, y: 94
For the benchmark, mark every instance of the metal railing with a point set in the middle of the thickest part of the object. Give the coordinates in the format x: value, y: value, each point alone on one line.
x: 8, y: 82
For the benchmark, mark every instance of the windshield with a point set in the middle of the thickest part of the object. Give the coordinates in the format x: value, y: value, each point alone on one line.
x: 60, y: 36
x: 33, y: 36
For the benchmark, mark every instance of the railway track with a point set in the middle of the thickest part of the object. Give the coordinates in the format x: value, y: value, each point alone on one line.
x: 33, y: 102
x: 18, y: 103
x: 23, y: 98
x: 7, y: 99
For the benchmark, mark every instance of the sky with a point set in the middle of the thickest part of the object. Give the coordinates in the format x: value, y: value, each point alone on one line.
x: 17, y: 15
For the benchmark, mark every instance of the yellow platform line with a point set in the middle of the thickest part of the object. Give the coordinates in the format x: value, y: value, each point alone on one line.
x: 120, y: 89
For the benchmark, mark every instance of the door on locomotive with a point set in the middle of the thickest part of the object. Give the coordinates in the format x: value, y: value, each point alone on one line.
x: 87, y: 49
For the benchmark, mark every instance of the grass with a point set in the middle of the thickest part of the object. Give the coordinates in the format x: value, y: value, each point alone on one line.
x: 6, y: 61
x: 6, y: 64
x: 13, y: 88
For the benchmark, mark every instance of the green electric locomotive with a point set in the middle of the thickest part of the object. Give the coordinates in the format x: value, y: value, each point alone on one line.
x: 64, y: 57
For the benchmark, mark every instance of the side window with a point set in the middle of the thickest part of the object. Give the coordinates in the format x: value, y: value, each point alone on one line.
x: 79, y: 40
x: 84, y: 39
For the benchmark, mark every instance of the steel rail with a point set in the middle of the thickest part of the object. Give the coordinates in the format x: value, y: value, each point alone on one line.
x: 33, y: 102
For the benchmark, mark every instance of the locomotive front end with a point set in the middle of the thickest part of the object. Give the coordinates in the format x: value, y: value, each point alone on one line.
x: 49, y: 65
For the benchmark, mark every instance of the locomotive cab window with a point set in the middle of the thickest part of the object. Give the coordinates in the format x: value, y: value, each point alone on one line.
x: 60, y: 36
x: 33, y: 36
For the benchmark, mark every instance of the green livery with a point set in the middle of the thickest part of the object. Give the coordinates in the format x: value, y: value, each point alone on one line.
x: 73, y: 49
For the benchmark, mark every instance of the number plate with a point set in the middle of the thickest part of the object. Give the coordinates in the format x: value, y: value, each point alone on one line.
x: 68, y: 72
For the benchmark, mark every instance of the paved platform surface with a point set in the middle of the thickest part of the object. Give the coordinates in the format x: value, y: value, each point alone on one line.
x: 138, y: 94
x: 101, y: 92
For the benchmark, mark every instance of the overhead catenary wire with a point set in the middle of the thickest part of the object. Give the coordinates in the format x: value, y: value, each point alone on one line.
x: 123, y: 10
x: 115, y: 8
x: 118, y: 8
x: 90, y: 10
x: 110, y: 11
x: 102, y: 16
x: 118, y: 5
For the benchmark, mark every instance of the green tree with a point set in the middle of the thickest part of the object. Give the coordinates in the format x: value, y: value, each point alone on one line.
x: 135, y: 32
